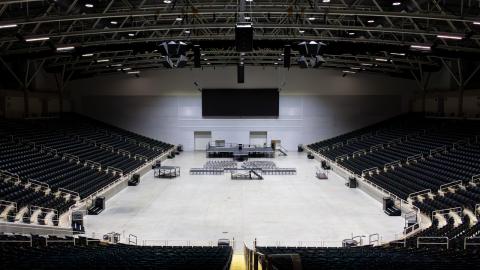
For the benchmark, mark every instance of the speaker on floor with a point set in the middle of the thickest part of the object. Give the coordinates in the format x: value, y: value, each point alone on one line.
x: 240, y: 73
x: 134, y: 180
x: 196, y: 56
x: 244, y: 37
x: 287, y: 51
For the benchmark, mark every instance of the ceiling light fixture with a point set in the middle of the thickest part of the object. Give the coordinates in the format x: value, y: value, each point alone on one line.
x: 420, y: 47
x: 8, y: 26
x: 37, y: 39
x: 66, y: 48
x: 450, y: 37
x: 89, y: 5
x: 114, y: 22
x: 87, y: 55
x: 103, y: 60
x: 398, y: 54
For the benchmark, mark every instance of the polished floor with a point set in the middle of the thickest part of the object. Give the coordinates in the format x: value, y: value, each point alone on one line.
x: 279, y: 210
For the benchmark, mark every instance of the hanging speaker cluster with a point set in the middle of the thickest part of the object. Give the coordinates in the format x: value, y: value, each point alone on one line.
x: 244, y: 37
x: 173, y: 54
x: 310, y: 54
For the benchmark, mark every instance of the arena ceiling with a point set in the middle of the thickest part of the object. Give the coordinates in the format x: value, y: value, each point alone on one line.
x: 399, y: 38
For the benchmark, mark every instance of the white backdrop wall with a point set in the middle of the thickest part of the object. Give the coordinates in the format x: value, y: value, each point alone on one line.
x: 314, y: 105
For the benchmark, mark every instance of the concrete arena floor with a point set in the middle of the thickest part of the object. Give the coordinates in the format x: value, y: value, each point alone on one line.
x: 281, y: 209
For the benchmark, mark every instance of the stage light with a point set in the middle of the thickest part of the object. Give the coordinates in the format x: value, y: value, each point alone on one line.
x: 131, y: 34
x: 103, y: 60
x: 37, y: 39
x: 366, y: 64
x: 87, y: 55
x: 301, y: 31
x: 311, y: 19
x: 476, y: 23
x: 178, y: 19
x: 247, y: 18
x: 116, y: 65
x: 8, y: 26
x: 371, y: 21
x: 396, y: 3
x: 351, y: 33
x: 114, y: 22
x: 89, y: 5
x: 187, y: 31
x: 397, y: 54
x: 381, y: 60
x: 326, y: 1
x: 450, y: 37
x: 167, y: 1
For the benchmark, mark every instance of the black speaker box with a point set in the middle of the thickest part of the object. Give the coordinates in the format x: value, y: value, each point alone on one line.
x: 244, y: 37
x: 286, y: 56
x: 241, y: 74
x: 196, y: 56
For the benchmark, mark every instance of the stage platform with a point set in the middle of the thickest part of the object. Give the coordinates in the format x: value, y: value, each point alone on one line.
x: 234, y: 151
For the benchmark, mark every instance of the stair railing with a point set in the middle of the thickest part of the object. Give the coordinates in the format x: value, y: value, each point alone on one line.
x: 439, y: 243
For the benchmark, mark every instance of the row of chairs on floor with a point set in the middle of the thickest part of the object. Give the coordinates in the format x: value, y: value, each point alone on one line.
x: 61, y: 253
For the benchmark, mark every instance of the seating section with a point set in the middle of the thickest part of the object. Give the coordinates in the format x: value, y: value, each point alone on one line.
x: 48, y: 163
x: 63, y: 255
x: 426, y: 154
x: 18, y: 201
x: 372, y: 258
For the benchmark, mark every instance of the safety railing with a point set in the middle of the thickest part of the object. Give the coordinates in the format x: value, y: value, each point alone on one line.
x: 441, y: 149
x: 369, y: 171
x: 392, y: 165
x: 89, y: 141
x: 374, y: 239
x: 144, y: 145
x: 414, y: 158
x: 342, y: 157
x: 29, y: 241
x: 132, y: 239
x: 325, y: 148
x: 411, y: 228
x: 71, y: 157
x: 366, y: 136
x: 359, y: 153
x: 419, y: 193
x: 450, y: 185
x: 394, y: 142
x: 37, y: 184
x: 457, y: 210
x: 106, y: 147
x: 115, y: 170
x: 413, y: 135
x: 71, y: 192
x: 421, y: 241
x: 140, y: 157
x: 337, y: 145
x: 59, y: 240
x: 471, y: 241
x: 475, y: 179
x: 351, y: 140
x: 180, y: 243
x: 124, y: 152
x: 93, y: 164
x: 376, y: 147
x: 460, y: 142
x: 46, y: 149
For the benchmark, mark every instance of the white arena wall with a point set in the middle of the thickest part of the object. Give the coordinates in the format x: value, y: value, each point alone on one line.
x: 314, y: 104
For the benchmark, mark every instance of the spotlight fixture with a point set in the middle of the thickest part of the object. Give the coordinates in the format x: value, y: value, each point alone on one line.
x: 311, y: 18
x: 396, y: 3
x: 187, y: 31
x: 167, y: 1
x: 114, y: 22
x: 301, y: 31
x: 89, y: 5
x: 37, y: 39
x: 476, y: 23
x: 178, y: 19
x: 131, y: 34
x: 371, y: 21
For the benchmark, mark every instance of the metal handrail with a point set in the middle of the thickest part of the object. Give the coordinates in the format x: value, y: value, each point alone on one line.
x: 418, y: 193
x: 415, y: 157
x: 465, y: 242
x: 341, y: 157
x: 447, y: 210
x: 392, y: 164
x: 442, y: 149
x: 419, y: 243
x: 394, y: 141
x: 375, y: 147
x: 71, y: 192
x: 451, y: 184
x: 369, y: 170
x: 132, y: 239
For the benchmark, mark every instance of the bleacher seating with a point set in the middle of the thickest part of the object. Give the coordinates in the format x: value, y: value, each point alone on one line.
x: 359, y: 258
x: 62, y: 254
x: 72, y: 154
